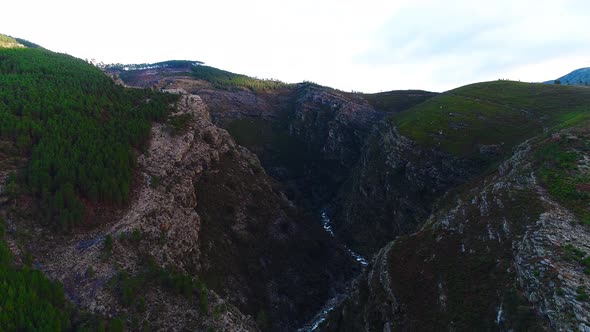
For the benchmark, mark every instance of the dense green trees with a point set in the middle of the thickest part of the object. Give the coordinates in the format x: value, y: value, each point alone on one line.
x: 78, y: 126
x: 31, y: 302
x: 226, y: 80
x: 28, y: 300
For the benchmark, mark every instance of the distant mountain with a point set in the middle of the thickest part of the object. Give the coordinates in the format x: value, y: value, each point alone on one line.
x: 577, y: 77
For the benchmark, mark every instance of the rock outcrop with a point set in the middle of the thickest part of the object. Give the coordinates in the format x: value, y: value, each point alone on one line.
x: 332, y: 123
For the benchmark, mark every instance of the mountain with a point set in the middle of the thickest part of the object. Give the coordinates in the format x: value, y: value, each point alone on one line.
x: 145, y: 210
x: 577, y: 77
x: 414, y: 157
x: 307, y: 136
x: 178, y: 196
x: 505, y: 251
x: 482, y: 190
x: 386, y: 173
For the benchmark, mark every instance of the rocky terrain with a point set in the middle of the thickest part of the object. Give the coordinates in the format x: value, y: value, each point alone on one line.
x: 257, y: 205
x: 203, y: 207
x: 385, y: 176
x: 307, y: 136
x: 412, y: 158
x: 499, y: 253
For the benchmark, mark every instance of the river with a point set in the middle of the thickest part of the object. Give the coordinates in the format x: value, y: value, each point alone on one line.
x: 332, y: 303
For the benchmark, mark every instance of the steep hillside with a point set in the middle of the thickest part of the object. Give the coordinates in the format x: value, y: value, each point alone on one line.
x: 397, y: 101
x: 577, y: 77
x: 177, y: 196
x: 195, y: 216
x: 417, y: 155
x: 507, y: 251
x: 148, y: 213
x: 307, y: 136
x: 488, y: 119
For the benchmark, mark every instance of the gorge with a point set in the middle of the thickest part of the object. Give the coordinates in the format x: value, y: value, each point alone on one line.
x: 176, y: 196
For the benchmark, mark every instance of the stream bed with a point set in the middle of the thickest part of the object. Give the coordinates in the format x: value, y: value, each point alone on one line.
x: 333, y: 302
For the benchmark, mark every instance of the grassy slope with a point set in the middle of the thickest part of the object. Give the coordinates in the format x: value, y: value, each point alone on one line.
x: 397, y: 100
x: 562, y: 166
x: 501, y: 112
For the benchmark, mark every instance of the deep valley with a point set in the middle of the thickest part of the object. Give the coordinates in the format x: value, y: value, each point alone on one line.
x: 175, y: 196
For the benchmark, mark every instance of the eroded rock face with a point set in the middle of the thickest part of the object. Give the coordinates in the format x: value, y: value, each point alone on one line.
x: 392, y: 188
x: 333, y: 124
x: 260, y: 250
x: 306, y: 136
x: 549, y: 282
x: 493, y: 256
x: 160, y: 225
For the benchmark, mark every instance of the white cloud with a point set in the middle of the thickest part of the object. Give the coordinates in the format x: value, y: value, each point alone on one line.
x: 369, y: 46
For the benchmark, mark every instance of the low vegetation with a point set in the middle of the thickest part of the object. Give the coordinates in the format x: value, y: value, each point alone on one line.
x: 573, y: 254
x: 6, y: 41
x: 396, y: 101
x: 130, y: 288
x: 499, y: 114
x: 562, y: 170
x: 179, y: 124
x: 31, y: 302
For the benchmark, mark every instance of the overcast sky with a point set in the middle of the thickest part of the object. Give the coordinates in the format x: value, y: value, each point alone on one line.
x: 367, y: 46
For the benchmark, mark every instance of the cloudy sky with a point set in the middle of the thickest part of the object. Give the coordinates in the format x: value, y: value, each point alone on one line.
x: 369, y: 46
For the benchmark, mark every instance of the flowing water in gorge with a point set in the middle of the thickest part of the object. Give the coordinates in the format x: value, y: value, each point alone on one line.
x: 332, y: 303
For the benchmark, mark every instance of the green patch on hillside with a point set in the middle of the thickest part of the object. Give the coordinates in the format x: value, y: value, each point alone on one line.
x: 397, y: 101
x: 226, y: 80
x: 492, y: 115
x: 129, y: 287
x: 28, y: 300
x: 563, y: 169
x: 31, y: 302
x: 77, y: 126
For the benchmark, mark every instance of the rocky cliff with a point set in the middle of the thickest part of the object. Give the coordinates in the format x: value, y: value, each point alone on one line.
x: 503, y: 252
x: 307, y: 136
x: 392, y: 188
